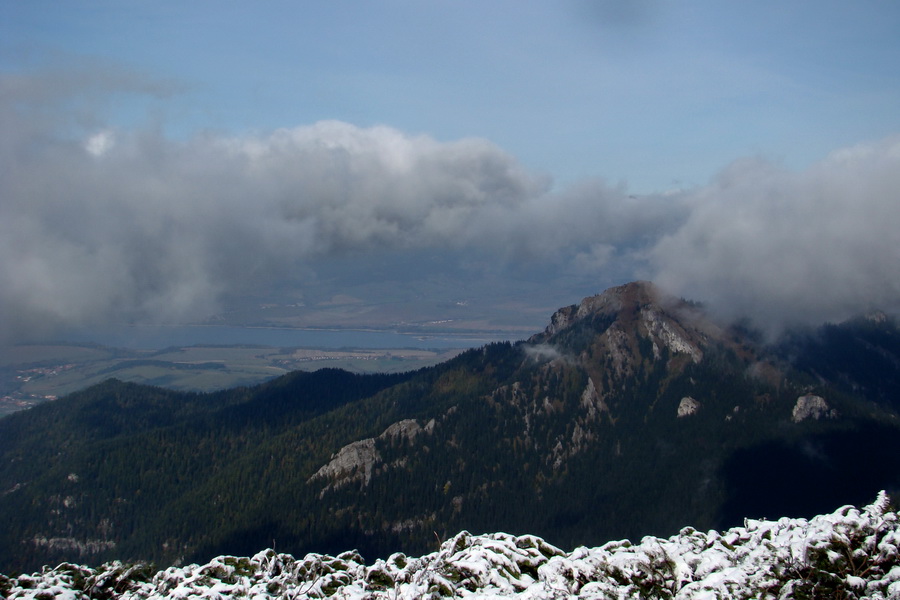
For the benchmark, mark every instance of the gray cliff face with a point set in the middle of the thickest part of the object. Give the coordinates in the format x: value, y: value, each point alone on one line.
x: 687, y: 407
x: 353, y: 462
x: 609, y: 302
x: 621, y: 321
x: 357, y: 461
x: 561, y: 319
x: 812, y: 407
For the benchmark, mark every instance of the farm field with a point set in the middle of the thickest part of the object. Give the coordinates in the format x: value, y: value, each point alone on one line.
x: 32, y: 374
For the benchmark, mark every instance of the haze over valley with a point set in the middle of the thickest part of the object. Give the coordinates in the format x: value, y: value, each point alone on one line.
x: 476, y: 166
x: 498, y: 285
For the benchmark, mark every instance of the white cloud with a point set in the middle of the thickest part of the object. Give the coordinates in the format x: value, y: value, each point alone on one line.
x: 100, y: 143
x: 786, y: 247
x: 159, y: 229
x: 134, y: 225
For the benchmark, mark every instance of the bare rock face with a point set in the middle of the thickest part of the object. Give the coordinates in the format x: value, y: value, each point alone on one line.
x: 638, y: 311
x: 353, y: 462
x: 592, y: 401
x: 609, y: 302
x: 811, y: 407
x: 561, y: 319
x: 407, y: 429
x: 687, y: 407
x: 356, y: 462
x: 672, y: 336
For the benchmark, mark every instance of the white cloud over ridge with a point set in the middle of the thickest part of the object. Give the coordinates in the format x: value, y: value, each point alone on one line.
x: 786, y: 247
x: 113, y: 224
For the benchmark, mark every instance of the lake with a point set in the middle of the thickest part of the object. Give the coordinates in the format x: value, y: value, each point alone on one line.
x: 154, y: 337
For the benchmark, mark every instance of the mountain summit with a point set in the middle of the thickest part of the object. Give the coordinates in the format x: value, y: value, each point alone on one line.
x: 632, y: 413
x: 616, y: 324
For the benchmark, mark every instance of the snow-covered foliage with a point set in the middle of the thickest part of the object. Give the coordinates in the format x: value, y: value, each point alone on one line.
x: 850, y: 554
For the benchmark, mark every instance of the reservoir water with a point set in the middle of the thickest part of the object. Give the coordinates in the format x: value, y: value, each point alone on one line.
x: 157, y: 337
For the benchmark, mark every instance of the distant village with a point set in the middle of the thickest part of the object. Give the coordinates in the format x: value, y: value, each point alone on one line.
x: 19, y: 400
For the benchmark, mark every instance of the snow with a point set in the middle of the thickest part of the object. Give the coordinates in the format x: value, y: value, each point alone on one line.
x: 850, y: 553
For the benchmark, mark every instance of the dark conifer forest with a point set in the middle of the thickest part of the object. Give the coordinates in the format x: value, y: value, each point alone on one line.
x: 622, y: 419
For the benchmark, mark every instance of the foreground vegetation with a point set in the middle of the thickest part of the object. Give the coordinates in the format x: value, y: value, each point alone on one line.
x: 849, y: 554
x: 623, y: 419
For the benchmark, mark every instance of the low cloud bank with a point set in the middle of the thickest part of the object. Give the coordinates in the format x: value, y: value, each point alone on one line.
x: 99, y: 224
x: 784, y: 247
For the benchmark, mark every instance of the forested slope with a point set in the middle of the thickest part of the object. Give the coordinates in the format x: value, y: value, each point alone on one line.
x: 631, y: 414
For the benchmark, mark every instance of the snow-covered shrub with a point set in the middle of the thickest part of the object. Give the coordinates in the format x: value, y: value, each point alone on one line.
x: 850, y: 554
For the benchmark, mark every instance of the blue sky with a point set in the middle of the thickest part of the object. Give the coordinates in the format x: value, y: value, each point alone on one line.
x: 163, y: 160
x: 652, y: 93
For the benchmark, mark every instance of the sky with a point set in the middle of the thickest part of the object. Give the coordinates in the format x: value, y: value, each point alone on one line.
x: 162, y: 160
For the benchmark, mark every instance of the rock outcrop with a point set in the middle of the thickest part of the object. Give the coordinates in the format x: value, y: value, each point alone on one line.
x: 811, y: 407
x: 357, y: 461
x: 633, y: 313
x: 687, y: 407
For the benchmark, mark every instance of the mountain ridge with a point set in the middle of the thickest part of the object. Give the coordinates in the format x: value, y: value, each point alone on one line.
x: 631, y: 414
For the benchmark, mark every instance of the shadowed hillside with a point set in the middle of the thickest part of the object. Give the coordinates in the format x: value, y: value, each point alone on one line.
x: 631, y: 414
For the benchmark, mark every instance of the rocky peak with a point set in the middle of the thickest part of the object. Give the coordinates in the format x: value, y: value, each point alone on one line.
x: 622, y: 317
x: 610, y: 302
